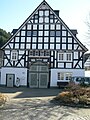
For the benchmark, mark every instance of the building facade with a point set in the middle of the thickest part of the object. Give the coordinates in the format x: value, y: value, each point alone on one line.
x: 42, y: 51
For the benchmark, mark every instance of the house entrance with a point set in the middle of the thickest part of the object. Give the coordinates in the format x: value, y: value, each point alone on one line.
x: 10, y: 78
x: 38, y: 75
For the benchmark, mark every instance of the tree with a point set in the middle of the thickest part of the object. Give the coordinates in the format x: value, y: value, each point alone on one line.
x: 4, y: 36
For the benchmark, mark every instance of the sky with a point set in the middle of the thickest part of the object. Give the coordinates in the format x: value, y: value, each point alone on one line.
x: 73, y: 12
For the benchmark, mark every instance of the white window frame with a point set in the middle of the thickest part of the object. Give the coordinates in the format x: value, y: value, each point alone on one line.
x: 14, y: 55
x: 64, y: 76
x: 60, y: 76
x: 67, y: 57
x: 61, y: 57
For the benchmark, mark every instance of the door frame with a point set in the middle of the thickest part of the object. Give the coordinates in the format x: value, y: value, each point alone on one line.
x: 13, y: 78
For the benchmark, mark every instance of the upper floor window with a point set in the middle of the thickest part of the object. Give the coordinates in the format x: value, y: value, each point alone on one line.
x: 14, y: 55
x: 65, y: 57
x: 61, y: 56
x: 68, y: 56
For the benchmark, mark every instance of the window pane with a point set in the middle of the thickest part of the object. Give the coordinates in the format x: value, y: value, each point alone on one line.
x: 14, y: 55
x: 22, y: 33
x: 57, y: 33
x: 60, y: 76
x: 52, y: 33
x: 40, y: 27
x: 46, y: 20
x: 68, y: 76
x: 57, y: 26
x: 61, y: 56
x: 46, y: 13
x: 28, y: 33
x: 46, y: 27
x: 63, y: 33
x: 68, y: 56
x: 34, y: 33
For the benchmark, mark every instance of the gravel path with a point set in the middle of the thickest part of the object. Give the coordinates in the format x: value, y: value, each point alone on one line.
x: 41, y: 109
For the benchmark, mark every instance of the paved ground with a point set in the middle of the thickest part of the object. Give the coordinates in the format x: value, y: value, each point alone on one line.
x: 35, y: 104
x: 23, y: 92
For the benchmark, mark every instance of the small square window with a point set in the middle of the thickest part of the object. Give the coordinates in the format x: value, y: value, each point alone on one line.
x: 46, y: 19
x: 52, y: 33
x: 57, y: 39
x: 70, y: 46
x: 34, y: 39
x: 40, y: 20
x: 46, y: 27
x: 16, y: 39
x: 52, y: 27
x: 40, y: 39
x: 63, y: 33
x: 22, y: 39
x: 40, y: 13
x: 63, y: 39
x: 35, y: 27
x: 39, y: 46
x: 45, y: 46
x: 33, y: 46
x: 46, y: 33
x: 29, y: 27
x: 40, y: 33
x: 46, y: 13
x: 22, y: 33
x: 40, y: 27
x: 58, y: 33
x: 28, y: 39
x: 52, y: 39
x: 34, y: 33
x: 64, y: 46
x: 22, y: 46
x: 69, y: 40
x: 28, y: 33
x: 57, y: 46
x: 51, y: 46
x: 58, y: 27
x: 46, y: 39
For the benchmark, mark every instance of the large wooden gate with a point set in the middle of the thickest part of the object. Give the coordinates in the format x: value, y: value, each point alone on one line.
x: 38, y: 75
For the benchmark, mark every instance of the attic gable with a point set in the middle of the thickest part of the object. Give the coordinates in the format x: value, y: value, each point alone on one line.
x: 44, y: 18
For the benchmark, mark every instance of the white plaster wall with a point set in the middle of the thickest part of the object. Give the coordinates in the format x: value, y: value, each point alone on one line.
x: 21, y: 73
x: 75, y: 72
x: 87, y: 73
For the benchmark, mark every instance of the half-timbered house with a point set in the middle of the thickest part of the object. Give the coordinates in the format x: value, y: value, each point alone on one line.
x: 42, y: 51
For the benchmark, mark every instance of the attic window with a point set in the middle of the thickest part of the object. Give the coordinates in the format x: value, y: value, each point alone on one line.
x: 14, y: 55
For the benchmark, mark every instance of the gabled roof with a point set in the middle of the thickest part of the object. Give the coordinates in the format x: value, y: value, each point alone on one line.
x: 55, y: 13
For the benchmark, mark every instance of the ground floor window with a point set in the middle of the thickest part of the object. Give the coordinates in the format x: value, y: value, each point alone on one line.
x: 64, y: 76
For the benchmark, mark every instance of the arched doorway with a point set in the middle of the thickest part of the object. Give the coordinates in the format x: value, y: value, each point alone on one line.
x: 38, y: 75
